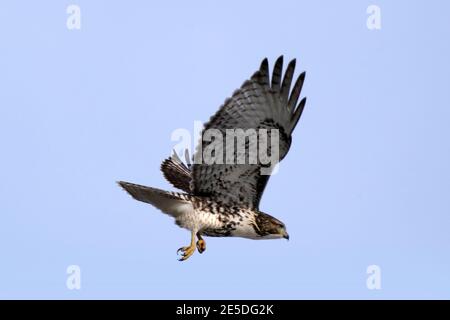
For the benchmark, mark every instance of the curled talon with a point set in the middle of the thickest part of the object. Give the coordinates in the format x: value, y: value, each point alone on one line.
x: 181, y: 249
x: 187, y: 251
x: 201, y: 245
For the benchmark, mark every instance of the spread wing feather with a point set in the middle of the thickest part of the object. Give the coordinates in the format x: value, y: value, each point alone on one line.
x: 176, y: 172
x: 260, y: 103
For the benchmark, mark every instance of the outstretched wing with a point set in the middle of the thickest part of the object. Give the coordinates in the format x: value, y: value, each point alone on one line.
x: 176, y: 172
x: 260, y: 103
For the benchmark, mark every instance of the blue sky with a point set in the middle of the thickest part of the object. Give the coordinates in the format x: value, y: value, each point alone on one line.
x: 366, y: 181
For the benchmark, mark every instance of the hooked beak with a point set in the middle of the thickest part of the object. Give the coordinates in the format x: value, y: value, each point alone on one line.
x: 286, y: 235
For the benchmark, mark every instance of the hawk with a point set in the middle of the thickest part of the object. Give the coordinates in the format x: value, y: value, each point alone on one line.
x: 221, y: 199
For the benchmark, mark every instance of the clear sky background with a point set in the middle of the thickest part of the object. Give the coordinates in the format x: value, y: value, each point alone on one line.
x: 366, y: 182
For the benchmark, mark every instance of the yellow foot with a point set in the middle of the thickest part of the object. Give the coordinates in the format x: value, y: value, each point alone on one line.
x: 201, y: 245
x: 186, y: 252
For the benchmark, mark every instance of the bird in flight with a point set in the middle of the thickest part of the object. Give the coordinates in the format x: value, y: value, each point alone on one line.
x: 221, y: 198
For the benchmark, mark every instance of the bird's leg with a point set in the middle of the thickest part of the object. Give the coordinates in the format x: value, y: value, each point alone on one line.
x: 201, y: 244
x: 188, y: 251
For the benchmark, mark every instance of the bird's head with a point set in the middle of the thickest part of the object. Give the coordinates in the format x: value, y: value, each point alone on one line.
x: 269, y: 227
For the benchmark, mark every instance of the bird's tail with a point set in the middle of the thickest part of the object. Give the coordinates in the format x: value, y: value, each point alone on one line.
x: 171, y: 203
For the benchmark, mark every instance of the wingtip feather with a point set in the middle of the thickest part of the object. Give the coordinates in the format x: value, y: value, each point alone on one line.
x: 298, y: 113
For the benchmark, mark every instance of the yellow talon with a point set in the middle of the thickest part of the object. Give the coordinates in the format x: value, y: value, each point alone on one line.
x: 187, y: 251
x: 201, y: 245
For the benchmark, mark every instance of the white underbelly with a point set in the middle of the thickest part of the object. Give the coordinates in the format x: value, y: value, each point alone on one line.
x: 199, y: 220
